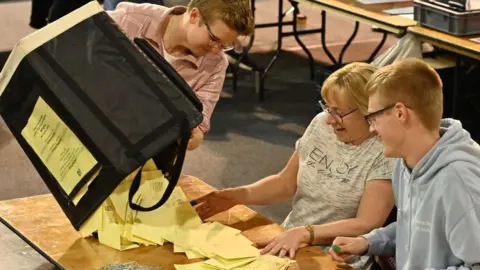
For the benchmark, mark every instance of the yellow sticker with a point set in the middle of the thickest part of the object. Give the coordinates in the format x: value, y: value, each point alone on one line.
x: 67, y: 159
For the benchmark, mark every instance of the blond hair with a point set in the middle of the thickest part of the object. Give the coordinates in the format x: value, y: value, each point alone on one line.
x: 413, y: 83
x: 236, y: 14
x: 348, y: 84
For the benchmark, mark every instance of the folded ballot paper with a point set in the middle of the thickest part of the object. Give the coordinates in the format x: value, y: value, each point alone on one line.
x: 122, y: 228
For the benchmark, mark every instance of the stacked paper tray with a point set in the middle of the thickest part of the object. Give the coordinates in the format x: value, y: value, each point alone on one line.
x: 447, y: 20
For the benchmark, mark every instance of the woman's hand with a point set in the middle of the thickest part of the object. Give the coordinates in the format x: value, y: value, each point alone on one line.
x: 347, y: 247
x: 287, y: 243
x: 216, y: 202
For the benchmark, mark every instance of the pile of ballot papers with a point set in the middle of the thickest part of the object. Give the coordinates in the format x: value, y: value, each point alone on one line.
x: 177, y: 222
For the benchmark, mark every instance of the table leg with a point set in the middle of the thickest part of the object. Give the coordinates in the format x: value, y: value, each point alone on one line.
x: 244, y: 53
x: 377, y: 49
x: 279, y: 46
x: 300, y: 42
x: 260, y: 72
x: 323, y: 35
x: 349, y: 41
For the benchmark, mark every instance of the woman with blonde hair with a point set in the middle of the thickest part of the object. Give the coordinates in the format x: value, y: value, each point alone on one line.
x: 338, y: 177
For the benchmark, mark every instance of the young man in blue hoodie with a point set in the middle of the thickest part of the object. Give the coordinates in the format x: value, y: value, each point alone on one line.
x: 436, y: 178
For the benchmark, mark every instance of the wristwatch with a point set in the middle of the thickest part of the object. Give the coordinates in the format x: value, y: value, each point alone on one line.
x: 311, y: 230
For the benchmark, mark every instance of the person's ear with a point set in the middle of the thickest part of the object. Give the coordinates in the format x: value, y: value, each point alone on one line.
x: 401, y: 112
x: 194, y: 16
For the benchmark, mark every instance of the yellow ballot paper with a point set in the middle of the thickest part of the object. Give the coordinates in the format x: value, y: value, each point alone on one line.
x: 111, y: 231
x: 264, y: 262
x: 227, y: 249
x: 176, y: 212
x: 221, y: 263
x: 215, y: 240
x: 267, y: 262
x: 176, y: 221
x: 193, y: 266
x: 84, y: 189
x: 193, y: 255
x: 189, y: 253
x: 142, y: 241
x: 67, y: 159
x: 147, y: 232
x: 119, y: 198
x: 178, y: 249
x: 92, y: 224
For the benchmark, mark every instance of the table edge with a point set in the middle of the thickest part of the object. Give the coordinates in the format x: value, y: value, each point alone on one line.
x: 401, y: 28
x: 413, y: 31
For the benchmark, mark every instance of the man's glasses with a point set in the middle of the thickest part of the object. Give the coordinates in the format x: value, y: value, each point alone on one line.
x: 371, y: 117
x: 333, y: 112
x: 215, y: 42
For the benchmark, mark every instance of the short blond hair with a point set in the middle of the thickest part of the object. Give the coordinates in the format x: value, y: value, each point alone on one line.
x: 348, y: 85
x: 413, y: 83
x: 236, y: 14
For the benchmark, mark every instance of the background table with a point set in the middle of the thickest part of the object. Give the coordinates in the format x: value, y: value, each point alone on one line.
x: 459, y: 45
x: 371, y: 14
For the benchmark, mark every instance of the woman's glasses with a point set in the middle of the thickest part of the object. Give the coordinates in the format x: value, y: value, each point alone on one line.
x: 333, y: 112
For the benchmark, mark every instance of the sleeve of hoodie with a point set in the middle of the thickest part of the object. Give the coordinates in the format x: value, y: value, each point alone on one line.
x: 461, y: 201
x: 382, y: 241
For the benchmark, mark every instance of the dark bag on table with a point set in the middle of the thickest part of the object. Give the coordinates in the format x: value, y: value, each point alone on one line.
x: 84, y: 102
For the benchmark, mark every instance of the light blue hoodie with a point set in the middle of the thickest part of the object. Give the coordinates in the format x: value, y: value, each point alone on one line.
x: 438, y: 202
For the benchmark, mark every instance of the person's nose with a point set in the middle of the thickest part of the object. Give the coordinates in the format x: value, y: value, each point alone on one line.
x: 330, y: 120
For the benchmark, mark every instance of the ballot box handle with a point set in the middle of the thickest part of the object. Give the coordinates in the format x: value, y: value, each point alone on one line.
x: 174, y: 175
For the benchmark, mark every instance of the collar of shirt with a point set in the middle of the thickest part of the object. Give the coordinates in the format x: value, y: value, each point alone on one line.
x: 151, y: 34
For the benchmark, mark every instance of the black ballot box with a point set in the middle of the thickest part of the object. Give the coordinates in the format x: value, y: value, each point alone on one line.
x: 89, y: 106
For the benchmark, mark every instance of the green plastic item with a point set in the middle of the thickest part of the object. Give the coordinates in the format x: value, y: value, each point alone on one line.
x: 336, y: 248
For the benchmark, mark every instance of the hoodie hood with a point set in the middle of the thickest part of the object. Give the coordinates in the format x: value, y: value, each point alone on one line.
x: 455, y: 145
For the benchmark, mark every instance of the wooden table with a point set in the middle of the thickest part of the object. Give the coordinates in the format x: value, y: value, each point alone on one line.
x: 41, y: 221
x: 462, y: 47
x: 371, y: 14
x: 459, y: 45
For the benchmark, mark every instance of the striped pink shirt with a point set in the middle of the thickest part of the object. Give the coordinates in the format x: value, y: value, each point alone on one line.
x: 205, y: 74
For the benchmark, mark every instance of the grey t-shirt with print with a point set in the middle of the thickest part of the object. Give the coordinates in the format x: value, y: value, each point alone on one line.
x: 332, y: 175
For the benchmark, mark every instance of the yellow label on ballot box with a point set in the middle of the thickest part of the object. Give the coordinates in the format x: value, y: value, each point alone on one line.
x: 67, y: 159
